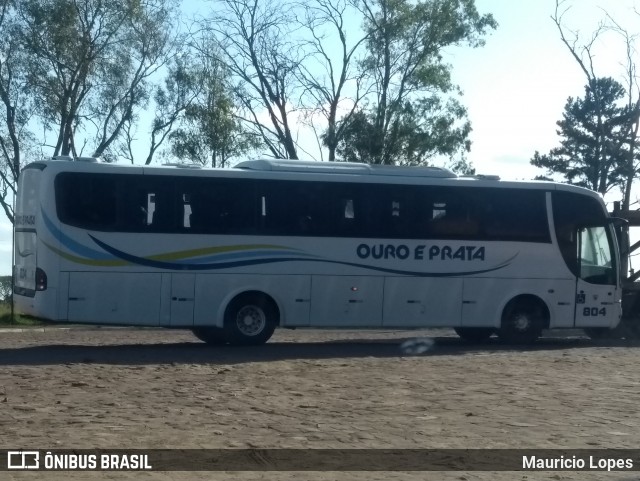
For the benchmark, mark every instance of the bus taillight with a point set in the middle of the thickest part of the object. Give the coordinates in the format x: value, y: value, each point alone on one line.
x: 41, y: 280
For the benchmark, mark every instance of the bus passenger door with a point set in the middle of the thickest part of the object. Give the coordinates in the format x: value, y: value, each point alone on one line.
x: 182, y: 299
x: 597, y: 296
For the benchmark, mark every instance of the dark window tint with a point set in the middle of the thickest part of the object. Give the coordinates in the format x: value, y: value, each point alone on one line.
x: 214, y: 206
x: 87, y: 200
x: 434, y: 212
x: 512, y: 215
x: 132, y: 203
x: 312, y: 209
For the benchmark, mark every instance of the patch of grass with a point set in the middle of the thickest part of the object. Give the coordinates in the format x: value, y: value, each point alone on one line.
x: 19, y: 319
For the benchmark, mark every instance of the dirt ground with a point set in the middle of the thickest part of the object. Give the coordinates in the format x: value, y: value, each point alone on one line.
x: 147, y: 388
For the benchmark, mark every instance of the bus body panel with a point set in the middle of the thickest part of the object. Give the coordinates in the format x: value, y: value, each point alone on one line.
x: 92, y: 251
x: 350, y: 301
x: 182, y: 299
x: 484, y: 297
x: 114, y: 298
x: 420, y: 298
x: 184, y: 278
x: 422, y: 302
x: 595, y: 303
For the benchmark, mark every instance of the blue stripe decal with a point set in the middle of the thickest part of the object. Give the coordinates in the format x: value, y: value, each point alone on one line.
x: 71, y: 244
x: 247, y: 254
x: 248, y: 262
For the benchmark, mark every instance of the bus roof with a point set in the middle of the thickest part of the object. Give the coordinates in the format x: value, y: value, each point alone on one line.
x: 309, y: 170
x: 282, y: 165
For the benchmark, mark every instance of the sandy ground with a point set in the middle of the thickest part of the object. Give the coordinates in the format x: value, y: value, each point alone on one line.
x: 146, y: 388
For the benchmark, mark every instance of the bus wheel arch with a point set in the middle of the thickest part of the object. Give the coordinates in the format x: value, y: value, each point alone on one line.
x: 250, y: 318
x: 523, y: 319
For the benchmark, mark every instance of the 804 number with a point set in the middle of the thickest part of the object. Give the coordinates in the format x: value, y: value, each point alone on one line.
x: 594, y: 311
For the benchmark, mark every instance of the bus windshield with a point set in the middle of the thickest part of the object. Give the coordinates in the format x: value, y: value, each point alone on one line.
x: 596, y: 255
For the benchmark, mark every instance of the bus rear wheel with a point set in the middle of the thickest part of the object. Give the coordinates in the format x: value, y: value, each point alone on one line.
x: 213, y: 336
x: 474, y: 334
x: 522, y: 321
x: 250, y: 319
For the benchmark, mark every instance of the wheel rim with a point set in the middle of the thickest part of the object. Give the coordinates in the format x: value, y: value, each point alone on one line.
x: 251, y: 320
x: 521, y: 322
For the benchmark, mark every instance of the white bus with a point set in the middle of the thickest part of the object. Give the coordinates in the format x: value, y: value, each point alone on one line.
x: 234, y: 253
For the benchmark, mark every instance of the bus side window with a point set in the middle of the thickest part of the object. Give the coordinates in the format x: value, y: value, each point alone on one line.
x: 348, y: 210
x: 509, y: 215
x: 185, y: 206
x: 346, y: 217
x: 162, y: 217
x: 453, y: 219
x: 136, y: 211
x: 389, y: 216
x: 92, y: 203
x: 210, y: 213
x: 197, y: 212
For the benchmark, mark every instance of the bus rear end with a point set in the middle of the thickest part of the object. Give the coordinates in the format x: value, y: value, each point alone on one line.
x: 30, y: 277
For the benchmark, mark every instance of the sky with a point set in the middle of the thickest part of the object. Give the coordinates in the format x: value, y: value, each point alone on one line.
x: 516, y: 86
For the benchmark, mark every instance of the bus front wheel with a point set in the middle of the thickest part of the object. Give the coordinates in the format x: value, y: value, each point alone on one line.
x: 522, y: 321
x: 600, y: 333
x: 250, y: 319
x: 474, y: 334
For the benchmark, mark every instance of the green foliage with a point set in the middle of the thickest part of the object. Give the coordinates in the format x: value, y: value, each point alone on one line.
x: 18, y: 320
x: 6, y: 289
x: 17, y: 105
x: 88, y: 63
x: 412, y: 114
x: 595, y: 135
x: 421, y: 130
x: 209, y: 132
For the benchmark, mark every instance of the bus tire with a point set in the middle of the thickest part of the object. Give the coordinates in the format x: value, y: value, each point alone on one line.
x: 600, y: 333
x: 474, y: 334
x: 523, y: 319
x: 214, y: 336
x: 250, y: 319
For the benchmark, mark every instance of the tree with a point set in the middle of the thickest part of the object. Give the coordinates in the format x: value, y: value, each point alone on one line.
x: 209, y: 132
x: 6, y: 289
x: 258, y: 46
x: 412, y: 115
x: 422, y: 129
x: 595, y: 138
x: 15, y: 138
x: 327, y: 72
x: 583, y: 53
x: 89, y: 63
